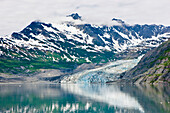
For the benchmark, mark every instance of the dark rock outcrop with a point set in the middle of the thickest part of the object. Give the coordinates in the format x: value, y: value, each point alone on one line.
x: 75, y: 16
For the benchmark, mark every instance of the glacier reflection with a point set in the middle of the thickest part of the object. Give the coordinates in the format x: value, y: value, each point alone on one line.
x: 104, y: 93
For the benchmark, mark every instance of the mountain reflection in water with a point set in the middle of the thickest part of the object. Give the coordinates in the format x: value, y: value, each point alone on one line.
x: 84, y: 98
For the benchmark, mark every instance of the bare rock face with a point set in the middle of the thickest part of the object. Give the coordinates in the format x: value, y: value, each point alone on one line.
x: 153, y: 68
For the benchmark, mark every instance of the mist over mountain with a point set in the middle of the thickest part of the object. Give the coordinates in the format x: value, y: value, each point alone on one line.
x: 15, y: 15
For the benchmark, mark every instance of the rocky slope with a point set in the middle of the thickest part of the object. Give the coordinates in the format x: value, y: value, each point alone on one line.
x: 69, y: 44
x: 153, y: 68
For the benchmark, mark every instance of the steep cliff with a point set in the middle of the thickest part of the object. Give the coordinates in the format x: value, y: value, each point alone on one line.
x: 153, y: 68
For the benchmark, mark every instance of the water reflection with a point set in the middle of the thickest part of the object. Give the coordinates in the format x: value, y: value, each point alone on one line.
x: 84, y: 98
x: 109, y: 94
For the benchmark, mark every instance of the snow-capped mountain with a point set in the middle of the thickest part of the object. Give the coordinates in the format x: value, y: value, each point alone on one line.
x: 42, y: 45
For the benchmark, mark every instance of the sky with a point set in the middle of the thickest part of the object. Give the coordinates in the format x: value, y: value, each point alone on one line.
x: 17, y: 14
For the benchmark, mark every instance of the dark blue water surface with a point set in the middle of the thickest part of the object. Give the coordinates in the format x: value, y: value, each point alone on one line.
x: 81, y: 98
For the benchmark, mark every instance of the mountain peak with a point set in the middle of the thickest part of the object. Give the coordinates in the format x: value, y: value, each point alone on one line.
x: 75, y: 16
x: 118, y: 21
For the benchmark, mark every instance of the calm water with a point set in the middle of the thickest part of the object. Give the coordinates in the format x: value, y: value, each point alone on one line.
x: 84, y: 98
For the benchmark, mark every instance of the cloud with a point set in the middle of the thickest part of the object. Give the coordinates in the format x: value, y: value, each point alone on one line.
x: 16, y: 14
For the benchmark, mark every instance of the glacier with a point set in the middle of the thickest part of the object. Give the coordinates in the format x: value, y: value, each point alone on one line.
x: 104, y: 74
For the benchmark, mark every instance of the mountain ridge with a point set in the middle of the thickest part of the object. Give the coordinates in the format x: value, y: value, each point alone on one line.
x: 67, y: 45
